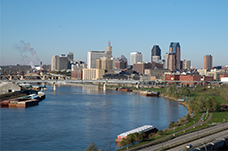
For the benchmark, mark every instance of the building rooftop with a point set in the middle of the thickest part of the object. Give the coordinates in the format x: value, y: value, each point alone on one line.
x: 138, y: 130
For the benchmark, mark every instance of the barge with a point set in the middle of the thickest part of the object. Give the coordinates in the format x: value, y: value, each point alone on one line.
x: 123, y: 89
x: 25, y: 101
x: 147, y: 129
x: 149, y: 93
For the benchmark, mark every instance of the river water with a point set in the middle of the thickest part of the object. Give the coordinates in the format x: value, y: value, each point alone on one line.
x: 70, y: 118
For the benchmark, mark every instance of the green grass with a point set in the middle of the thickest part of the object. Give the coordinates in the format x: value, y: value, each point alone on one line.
x: 218, y: 117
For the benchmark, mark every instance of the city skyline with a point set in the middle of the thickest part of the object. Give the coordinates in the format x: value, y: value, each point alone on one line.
x: 56, y: 27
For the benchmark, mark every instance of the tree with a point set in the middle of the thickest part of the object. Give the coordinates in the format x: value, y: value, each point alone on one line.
x: 208, y: 103
x: 142, y: 136
x: 160, y: 132
x: 224, y: 93
x: 92, y: 147
x: 124, y: 142
x: 214, y: 104
x: 184, y: 91
x: 188, y: 117
x: 172, y: 124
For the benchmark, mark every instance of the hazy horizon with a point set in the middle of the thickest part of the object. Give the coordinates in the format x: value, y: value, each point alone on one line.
x: 55, y: 27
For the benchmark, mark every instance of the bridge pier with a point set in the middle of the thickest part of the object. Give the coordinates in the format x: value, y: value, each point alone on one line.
x: 10, y: 77
x: 21, y: 77
x: 104, y: 86
x: 54, y: 86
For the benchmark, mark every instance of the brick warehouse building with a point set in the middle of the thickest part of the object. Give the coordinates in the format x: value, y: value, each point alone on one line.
x: 224, y: 75
x: 188, y: 79
x: 76, y: 74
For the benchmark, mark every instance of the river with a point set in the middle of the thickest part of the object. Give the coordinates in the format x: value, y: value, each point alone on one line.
x: 71, y: 117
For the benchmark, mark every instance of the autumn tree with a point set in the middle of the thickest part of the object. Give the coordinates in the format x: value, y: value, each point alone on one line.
x: 92, y: 147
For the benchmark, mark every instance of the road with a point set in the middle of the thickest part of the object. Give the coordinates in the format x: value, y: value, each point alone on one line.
x: 201, y: 141
x: 186, y: 137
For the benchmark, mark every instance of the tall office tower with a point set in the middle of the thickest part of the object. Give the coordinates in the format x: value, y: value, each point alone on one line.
x: 155, y: 53
x: 70, y: 58
x: 171, y: 61
x: 93, y: 56
x: 98, y: 64
x: 59, y: 62
x: 207, y: 62
x: 175, y: 49
x: 63, y: 62
x: 108, y: 50
x: 122, y: 57
x: 104, y: 63
x: 54, y: 62
x: 115, y: 59
x: 185, y: 64
x: 166, y: 56
x: 136, y: 57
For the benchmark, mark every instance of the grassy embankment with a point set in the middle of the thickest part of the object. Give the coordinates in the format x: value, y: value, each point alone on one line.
x: 217, y: 117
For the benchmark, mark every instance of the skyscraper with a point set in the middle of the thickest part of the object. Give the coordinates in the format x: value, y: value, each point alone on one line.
x: 166, y: 56
x: 171, y: 61
x: 59, y: 62
x: 185, y: 64
x: 155, y: 53
x: 70, y: 58
x: 136, y: 57
x: 207, y: 62
x: 94, y: 55
x: 174, y: 49
x: 108, y: 50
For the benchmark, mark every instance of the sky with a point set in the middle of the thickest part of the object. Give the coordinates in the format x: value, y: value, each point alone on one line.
x: 54, y: 27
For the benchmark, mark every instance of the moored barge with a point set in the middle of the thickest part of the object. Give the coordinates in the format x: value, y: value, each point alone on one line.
x: 147, y: 129
x: 149, y: 93
x: 123, y: 89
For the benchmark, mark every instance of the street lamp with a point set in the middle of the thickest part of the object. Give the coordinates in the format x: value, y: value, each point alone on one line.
x: 184, y: 128
x: 223, y: 123
x: 194, y: 124
x: 174, y: 131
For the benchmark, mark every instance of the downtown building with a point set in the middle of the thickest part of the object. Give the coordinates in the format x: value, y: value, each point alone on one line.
x: 136, y: 57
x: 94, y: 55
x: 174, y: 57
x: 155, y: 54
x: 185, y: 64
x: 59, y: 62
x: 120, y: 62
x: 207, y: 62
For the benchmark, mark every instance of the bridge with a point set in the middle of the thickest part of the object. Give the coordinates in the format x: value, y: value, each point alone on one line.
x: 16, y: 77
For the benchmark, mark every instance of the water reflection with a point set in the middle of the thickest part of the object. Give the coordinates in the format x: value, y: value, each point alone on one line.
x: 76, y: 116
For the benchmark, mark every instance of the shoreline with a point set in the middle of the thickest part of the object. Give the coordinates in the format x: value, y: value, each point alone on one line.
x: 133, y: 91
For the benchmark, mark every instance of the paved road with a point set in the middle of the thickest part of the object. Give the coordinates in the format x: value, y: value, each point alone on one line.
x: 201, y: 141
x: 196, y: 124
x: 185, y: 137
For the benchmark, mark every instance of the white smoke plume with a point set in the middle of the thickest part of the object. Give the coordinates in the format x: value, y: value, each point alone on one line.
x: 23, y: 48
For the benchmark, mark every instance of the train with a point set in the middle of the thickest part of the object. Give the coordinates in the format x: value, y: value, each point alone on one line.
x: 214, y: 145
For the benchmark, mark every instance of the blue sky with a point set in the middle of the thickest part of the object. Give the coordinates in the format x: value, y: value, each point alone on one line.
x: 53, y: 27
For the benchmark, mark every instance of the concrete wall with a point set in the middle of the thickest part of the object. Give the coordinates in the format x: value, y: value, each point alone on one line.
x: 6, y: 87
